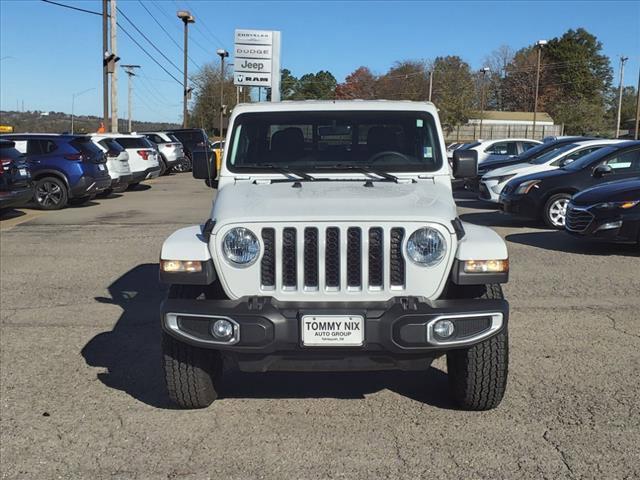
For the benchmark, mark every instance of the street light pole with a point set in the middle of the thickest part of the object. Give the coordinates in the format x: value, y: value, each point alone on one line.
x: 430, y: 83
x: 539, y: 45
x: 483, y: 71
x: 186, y: 18
x: 637, y: 108
x: 622, y: 60
x: 105, y: 74
x: 73, y: 104
x: 223, y: 54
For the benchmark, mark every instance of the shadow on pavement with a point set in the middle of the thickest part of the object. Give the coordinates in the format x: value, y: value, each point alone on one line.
x: 131, y: 356
x: 497, y: 219
x: 139, y: 188
x: 562, y: 242
x: 10, y: 213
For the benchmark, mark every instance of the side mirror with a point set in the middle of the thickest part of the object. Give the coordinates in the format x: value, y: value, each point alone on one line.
x: 602, y: 170
x: 202, y: 166
x: 465, y: 163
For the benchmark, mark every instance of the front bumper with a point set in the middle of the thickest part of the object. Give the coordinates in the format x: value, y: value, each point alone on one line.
x: 397, y: 333
x: 612, y: 228
x: 486, y: 192
x: 519, y: 205
x: 16, y: 197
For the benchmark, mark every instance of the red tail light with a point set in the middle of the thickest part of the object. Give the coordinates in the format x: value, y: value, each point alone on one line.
x: 76, y: 157
x: 144, y: 154
x: 6, y: 165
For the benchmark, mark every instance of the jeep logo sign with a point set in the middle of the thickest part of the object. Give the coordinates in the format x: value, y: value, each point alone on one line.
x: 251, y: 65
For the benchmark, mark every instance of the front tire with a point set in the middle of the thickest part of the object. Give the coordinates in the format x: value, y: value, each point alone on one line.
x: 555, y: 210
x: 190, y: 373
x: 50, y: 194
x: 478, y: 374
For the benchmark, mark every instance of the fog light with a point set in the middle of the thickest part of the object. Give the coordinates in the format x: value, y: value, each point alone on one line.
x: 609, y: 226
x: 443, y: 328
x: 222, y: 329
x: 179, y: 266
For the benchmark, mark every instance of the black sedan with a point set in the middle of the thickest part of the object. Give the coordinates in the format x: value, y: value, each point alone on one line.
x: 15, y: 179
x: 546, y: 194
x: 610, y: 211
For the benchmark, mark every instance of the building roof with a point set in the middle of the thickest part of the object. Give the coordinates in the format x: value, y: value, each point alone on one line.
x: 514, y: 116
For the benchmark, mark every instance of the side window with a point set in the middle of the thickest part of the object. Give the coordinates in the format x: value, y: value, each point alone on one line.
x: 626, y: 162
x: 503, y: 148
x: 34, y: 147
x: 48, y: 146
x: 574, y: 156
x: 527, y: 145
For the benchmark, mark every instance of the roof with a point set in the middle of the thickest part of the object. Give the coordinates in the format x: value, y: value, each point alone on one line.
x: 516, y: 116
x: 336, y: 105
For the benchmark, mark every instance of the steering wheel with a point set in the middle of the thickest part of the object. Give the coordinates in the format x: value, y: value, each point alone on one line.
x: 377, y: 156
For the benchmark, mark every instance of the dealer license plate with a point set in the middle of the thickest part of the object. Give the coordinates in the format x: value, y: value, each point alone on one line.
x: 23, y: 172
x: 101, y: 166
x: 332, y: 330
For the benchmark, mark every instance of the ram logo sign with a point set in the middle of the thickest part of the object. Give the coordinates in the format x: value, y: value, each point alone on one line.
x: 252, y: 79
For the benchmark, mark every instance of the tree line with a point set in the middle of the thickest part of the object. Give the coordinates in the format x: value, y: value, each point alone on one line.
x: 575, y: 85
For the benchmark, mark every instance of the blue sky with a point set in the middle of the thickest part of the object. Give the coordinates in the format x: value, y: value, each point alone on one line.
x: 49, y: 52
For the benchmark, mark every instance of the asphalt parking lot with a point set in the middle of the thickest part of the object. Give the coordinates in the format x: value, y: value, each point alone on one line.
x: 82, y: 392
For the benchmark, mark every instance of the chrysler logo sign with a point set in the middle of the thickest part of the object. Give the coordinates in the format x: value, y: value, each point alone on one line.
x: 254, y: 37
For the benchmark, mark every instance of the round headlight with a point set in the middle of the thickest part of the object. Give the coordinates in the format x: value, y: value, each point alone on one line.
x: 240, y: 246
x: 426, y: 246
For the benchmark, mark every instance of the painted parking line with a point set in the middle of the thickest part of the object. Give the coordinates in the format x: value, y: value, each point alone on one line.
x: 12, y: 218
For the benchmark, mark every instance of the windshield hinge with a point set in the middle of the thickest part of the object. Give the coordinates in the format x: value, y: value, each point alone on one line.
x: 262, y: 181
x: 426, y: 177
x: 241, y: 179
x: 405, y: 180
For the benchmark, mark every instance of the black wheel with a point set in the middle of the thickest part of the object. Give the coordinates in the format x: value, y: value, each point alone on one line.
x: 555, y: 210
x: 190, y: 372
x: 183, y: 165
x: 163, y: 166
x: 478, y: 375
x: 77, y: 201
x: 50, y: 194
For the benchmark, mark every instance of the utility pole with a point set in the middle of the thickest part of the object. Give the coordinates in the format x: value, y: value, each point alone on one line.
x: 114, y: 74
x: 430, y: 83
x: 129, y: 70
x: 483, y: 71
x: 104, y: 55
x: 539, y: 44
x: 622, y: 60
x: 186, y: 18
x: 223, y: 54
x: 637, y: 107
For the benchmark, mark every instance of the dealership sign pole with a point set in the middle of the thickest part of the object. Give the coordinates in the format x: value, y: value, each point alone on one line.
x: 257, y: 60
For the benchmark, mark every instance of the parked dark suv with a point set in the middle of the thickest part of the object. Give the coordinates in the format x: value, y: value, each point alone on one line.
x: 65, y: 168
x: 195, y: 144
x: 15, y: 180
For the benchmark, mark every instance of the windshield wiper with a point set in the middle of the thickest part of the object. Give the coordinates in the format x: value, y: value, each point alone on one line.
x: 284, y: 169
x: 361, y: 169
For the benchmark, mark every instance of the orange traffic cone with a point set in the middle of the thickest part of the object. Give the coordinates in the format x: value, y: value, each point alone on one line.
x: 101, y: 129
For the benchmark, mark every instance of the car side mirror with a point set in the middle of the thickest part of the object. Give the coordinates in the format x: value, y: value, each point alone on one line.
x: 465, y: 163
x: 602, y: 170
x: 203, y: 167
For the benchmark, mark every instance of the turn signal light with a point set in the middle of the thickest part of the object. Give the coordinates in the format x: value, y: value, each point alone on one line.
x: 179, y: 266
x: 630, y: 204
x: 486, y: 266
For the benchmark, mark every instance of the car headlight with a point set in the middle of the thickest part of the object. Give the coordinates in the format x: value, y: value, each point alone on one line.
x: 612, y: 205
x: 426, y: 246
x: 240, y: 246
x: 525, y: 187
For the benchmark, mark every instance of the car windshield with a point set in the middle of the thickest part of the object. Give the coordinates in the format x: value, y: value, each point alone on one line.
x: 587, y: 160
x: 394, y: 141
x: 551, y: 154
x: 467, y: 146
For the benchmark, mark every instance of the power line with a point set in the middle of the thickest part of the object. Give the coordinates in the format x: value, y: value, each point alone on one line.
x: 191, y: 39
x: 204, y: 24
x: 167, y: 33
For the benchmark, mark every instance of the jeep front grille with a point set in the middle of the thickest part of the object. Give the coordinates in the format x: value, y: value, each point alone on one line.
x: 332, y: 258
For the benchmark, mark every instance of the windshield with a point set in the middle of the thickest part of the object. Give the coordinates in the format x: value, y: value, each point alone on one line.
x: 467, y: 146
x: 395, y: 141
x: 587, y: 160
x: 551, y: 154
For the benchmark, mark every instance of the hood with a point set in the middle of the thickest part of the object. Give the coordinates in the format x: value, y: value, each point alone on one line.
x: 618, y: 191
x: 491, y: 165
x: 334, y: 201
x: 543, y: 175
x: 500, y: 172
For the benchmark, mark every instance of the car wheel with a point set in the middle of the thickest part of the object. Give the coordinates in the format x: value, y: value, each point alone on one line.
x: 191, y: 373
x: 478, y: 375
x: 183, y: 166
x: 555, y: 210
x: 163, y: 166
x: 50, y: 194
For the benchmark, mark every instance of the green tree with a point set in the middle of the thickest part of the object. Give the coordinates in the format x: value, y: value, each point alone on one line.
x: 453, y: 90
x: 361, y: 84
x: 288, y: 84
x: 406, y: 80
x: 318, y: 86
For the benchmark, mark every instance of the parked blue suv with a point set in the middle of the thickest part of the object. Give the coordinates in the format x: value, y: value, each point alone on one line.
x: 65, y: 168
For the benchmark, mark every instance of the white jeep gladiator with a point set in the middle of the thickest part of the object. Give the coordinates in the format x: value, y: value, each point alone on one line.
x: 334, y: 245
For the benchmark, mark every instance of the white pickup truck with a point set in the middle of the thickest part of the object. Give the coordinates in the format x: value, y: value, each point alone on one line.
x: 334, y: 244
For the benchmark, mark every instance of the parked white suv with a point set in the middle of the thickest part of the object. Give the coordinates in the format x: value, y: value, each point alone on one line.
x: 500, y: 149
x: 334, y: 244
x: 117, y: 163
x: 492, y: 183
x: 143, y: 156
x: 169, y: 147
